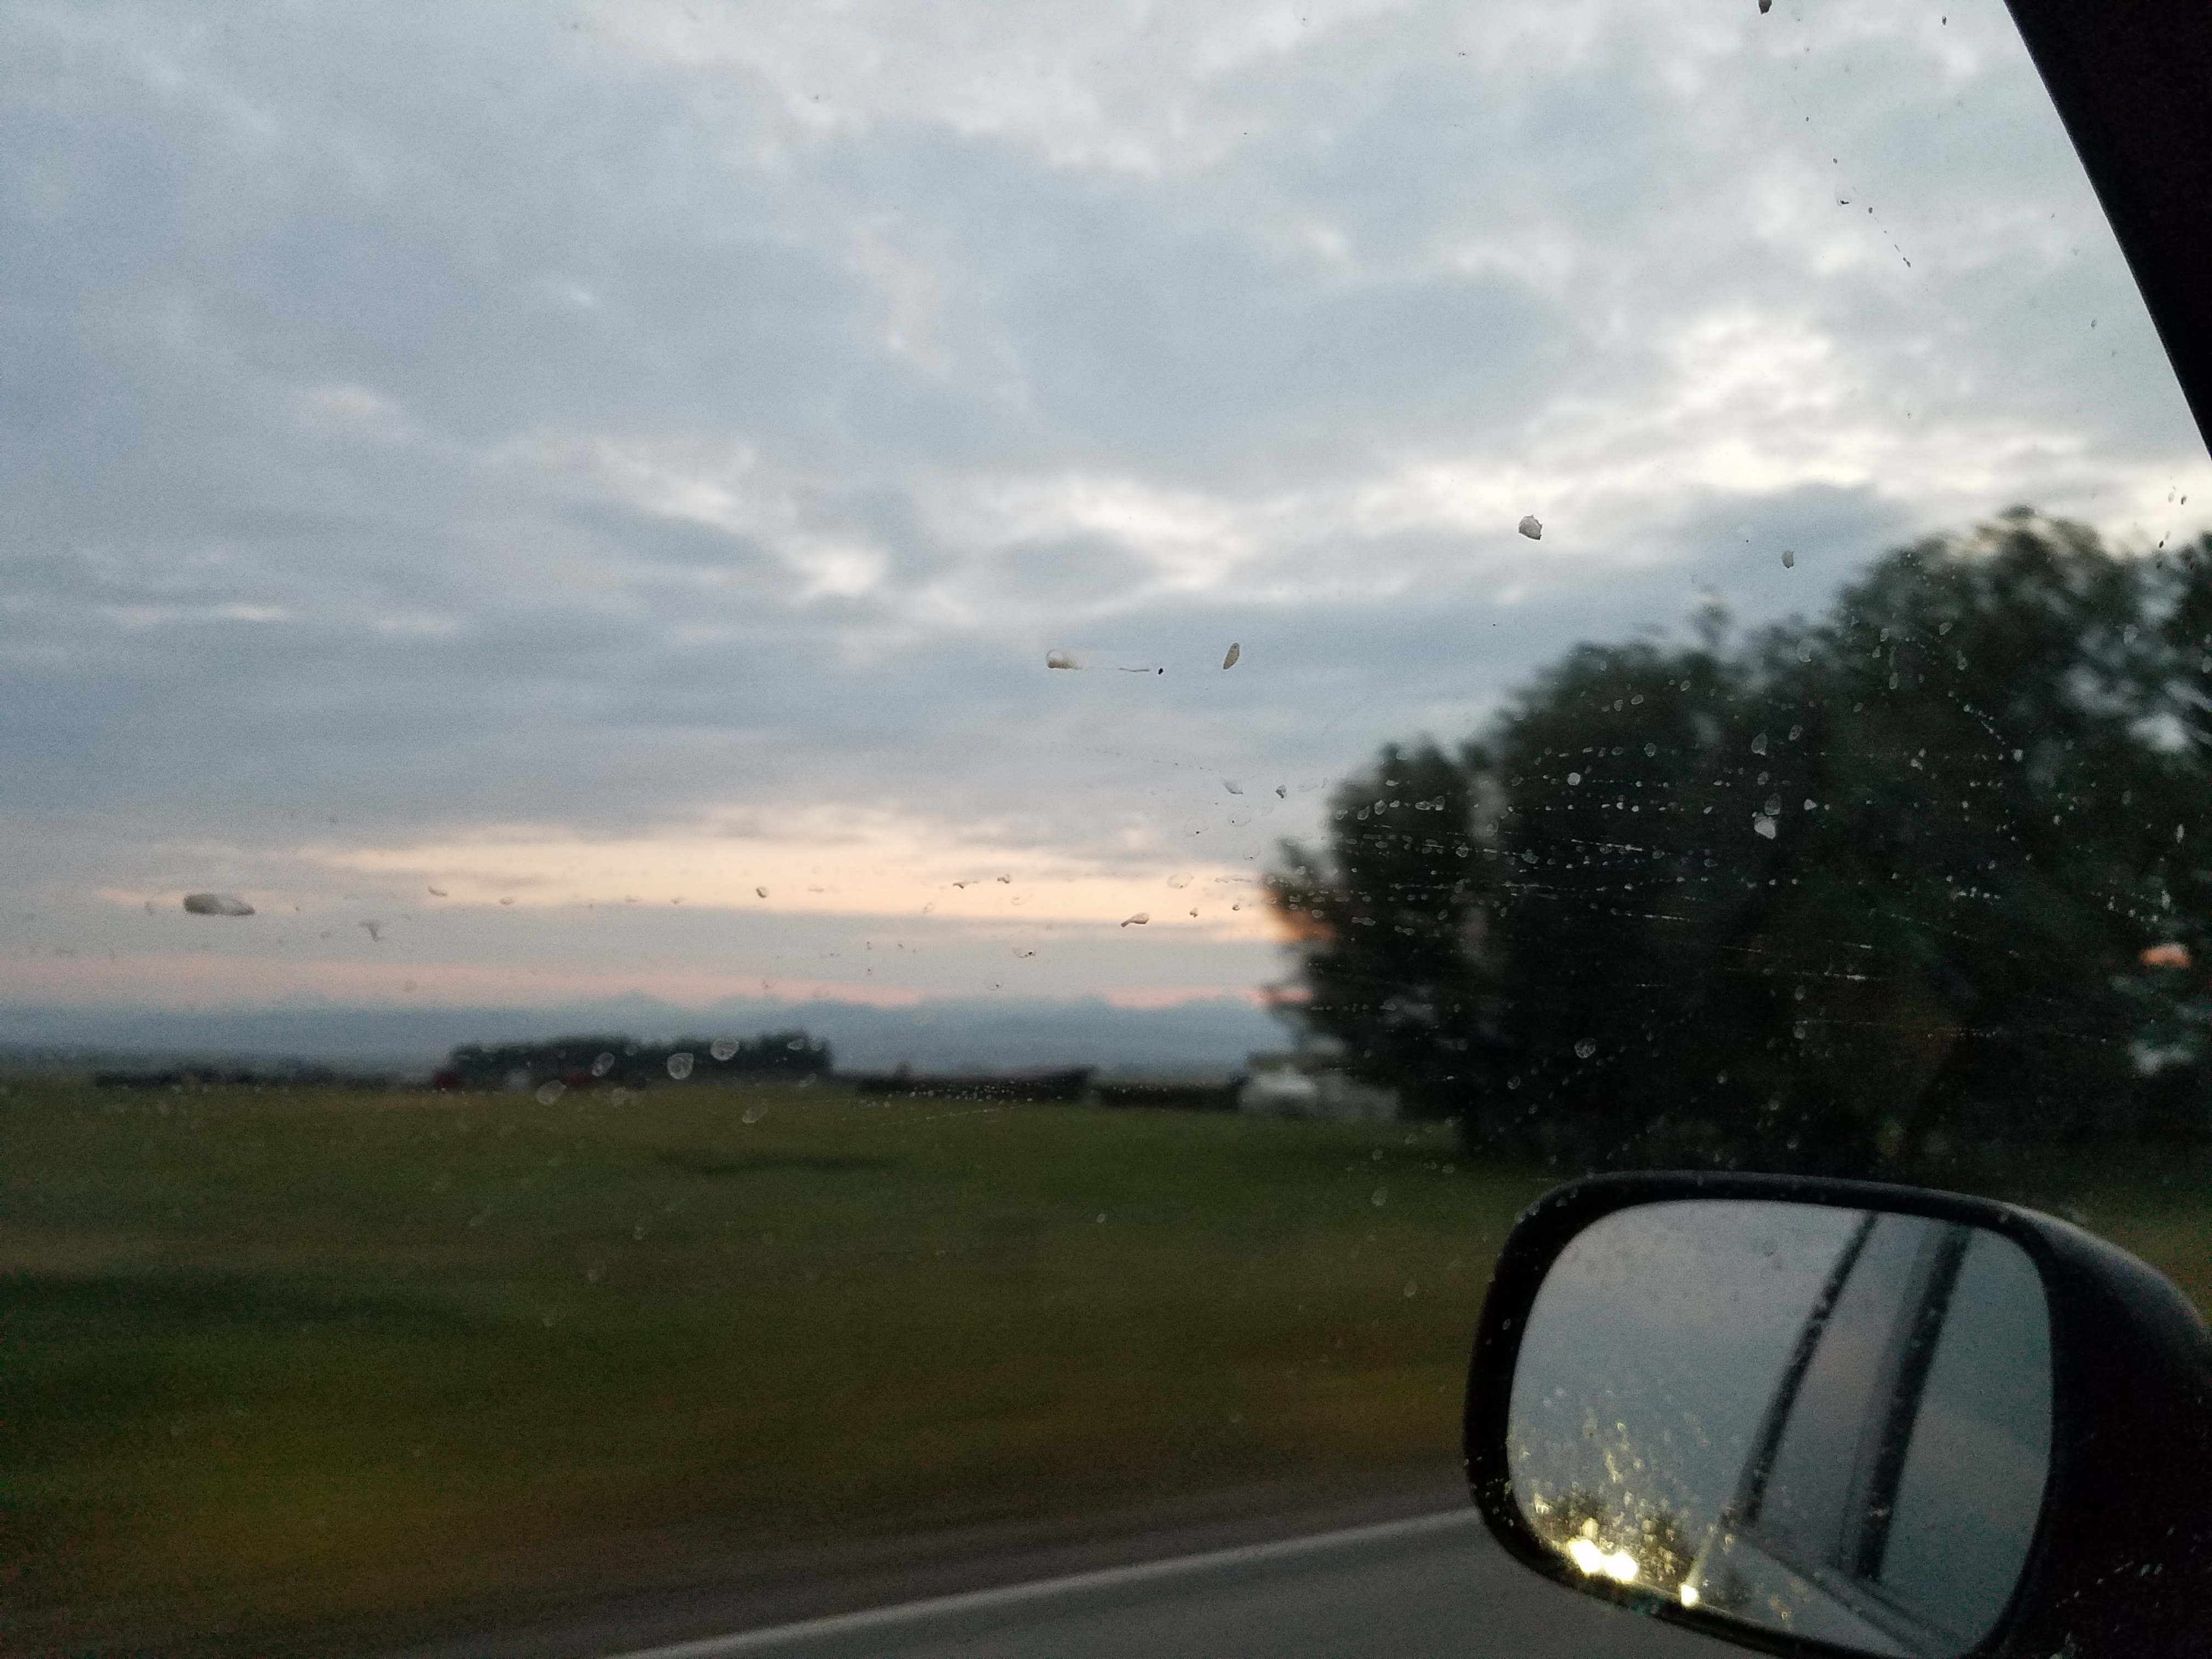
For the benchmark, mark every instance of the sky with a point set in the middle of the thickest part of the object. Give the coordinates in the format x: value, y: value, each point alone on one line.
x: 592, y: 490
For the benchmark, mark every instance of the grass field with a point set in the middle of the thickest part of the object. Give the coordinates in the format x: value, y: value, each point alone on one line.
x: 269, y: 1360
x: 2155, y: 1202
x: 273, y: 1361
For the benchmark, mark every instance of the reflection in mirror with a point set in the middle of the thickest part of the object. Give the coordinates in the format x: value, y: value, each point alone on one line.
x: 1830, y: 1422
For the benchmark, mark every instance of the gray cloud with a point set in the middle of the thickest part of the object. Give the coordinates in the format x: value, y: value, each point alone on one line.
x: 434, y: 418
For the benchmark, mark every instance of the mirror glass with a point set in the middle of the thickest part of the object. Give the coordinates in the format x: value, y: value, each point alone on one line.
x: 1830, y: 1422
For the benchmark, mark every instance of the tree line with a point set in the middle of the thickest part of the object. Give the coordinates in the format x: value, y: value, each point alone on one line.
x: 1926, y: 871
x: 621, y: 1061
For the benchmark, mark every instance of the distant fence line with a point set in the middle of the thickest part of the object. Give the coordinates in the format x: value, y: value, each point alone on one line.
x: 219, y: 1077
x: 624, y: 1061
x: 614, y: 1061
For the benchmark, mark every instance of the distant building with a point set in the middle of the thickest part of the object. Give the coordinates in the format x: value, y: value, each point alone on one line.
x: 1302, y: 1086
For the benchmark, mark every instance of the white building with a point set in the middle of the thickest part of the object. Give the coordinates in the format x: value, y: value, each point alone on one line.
x: 1294, y: 1085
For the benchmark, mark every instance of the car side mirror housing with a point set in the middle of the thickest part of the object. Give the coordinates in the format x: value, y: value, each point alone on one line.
x: 1829, y: 1417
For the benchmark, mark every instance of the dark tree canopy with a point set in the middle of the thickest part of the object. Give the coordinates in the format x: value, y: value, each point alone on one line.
x: 1922, y: 871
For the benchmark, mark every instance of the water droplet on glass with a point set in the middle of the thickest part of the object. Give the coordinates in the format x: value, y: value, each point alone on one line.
x: 217, y: 904
x: 1060, y: 659
x: 1139, y: 920
x: 679, y: 1066
x: 603, y: 1065
x: 1573, y: 778
x: 1788, y: 559
x: 551, y: 1091
x: 1412, y: 1290
x: 1382, y: 1197
x: 1763, y: 825
x: 1585, y: 1047
x: 760, y: 892
x: 722, y: 1047
x: 435, y: 892
x: 375, y: 929
x: 1531, y: 527
x: 1234, y: 652
x: 1649, y: 749
x: 1759, y: 743
x: 1774, y: 806
x: 1233, y: 786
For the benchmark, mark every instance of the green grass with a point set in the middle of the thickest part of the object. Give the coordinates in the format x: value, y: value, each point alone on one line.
x: 2155, y: 1201
x: 274, y: 1361
x: 270, y: 1360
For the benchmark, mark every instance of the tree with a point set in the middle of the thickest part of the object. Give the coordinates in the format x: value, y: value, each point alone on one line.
x: 1395, y: 970
x: 1825, y: 897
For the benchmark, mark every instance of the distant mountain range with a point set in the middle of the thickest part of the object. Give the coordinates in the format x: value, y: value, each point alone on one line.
x: 1208, y: 1038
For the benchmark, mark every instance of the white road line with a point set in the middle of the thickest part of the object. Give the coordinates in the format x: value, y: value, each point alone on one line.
x: 1040, y: 1589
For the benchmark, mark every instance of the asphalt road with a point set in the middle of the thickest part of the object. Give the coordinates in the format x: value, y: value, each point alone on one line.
x: 1430, y: 1585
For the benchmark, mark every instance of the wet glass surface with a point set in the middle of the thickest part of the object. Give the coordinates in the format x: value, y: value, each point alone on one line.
x: 1823, y: 1421
x: 797, y: 786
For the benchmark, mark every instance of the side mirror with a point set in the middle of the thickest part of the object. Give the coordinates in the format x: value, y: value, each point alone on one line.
x: 1827, y: 1416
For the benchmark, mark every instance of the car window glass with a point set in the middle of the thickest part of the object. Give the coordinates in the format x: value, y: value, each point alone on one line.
x: 1981, y: 1443
x: 1811, y: 1492
x: 836, y: 802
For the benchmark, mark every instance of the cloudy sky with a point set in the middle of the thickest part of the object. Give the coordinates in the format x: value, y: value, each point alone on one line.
x: 625, y: 466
